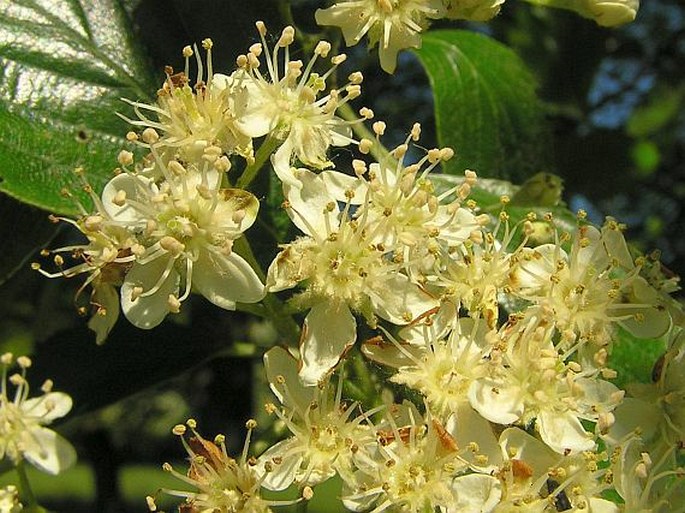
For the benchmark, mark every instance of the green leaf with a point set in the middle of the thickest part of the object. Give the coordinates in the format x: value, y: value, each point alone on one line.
x: 663, y: 107
x: 486, y: 108
x: 634, y: 358
x: 64, y: 65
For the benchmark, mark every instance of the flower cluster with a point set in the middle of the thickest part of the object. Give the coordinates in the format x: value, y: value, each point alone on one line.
x: 502, y: 331
x: 165, y: 225
x: 394, y: 25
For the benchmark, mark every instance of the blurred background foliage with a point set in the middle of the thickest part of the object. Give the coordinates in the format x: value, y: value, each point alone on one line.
x: 613, y: 101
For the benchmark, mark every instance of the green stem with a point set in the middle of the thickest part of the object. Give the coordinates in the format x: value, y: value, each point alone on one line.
x: 276, y: 311
x: 263, y: 153
x: 377, y: 150
x: 26, y: 492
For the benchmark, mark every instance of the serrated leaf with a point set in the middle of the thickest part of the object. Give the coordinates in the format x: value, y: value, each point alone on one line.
x: 64, y: 65
x: 486, y: 107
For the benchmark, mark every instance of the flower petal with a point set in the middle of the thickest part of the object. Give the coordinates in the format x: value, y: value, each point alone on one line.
x: 48, y: 407
x: 226, y: 280
x: 494, y: 401
x: 328, y: 332
x: 279, y: 362
x: 48, y: 451
x: 148, y: 311
x: 563, y: 432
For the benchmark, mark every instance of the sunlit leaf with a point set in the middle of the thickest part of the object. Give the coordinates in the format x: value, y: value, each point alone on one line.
x: 486, y: 108
x: 64, y: 65
x: 664, y: 105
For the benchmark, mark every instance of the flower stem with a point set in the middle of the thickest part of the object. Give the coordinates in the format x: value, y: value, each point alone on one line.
x: 26, y: 492
x: 276, y: 311
x: 263, y: 153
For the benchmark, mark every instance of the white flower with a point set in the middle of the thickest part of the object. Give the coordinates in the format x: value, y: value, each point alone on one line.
x: 105, y: 259
x: 536, y: 479
x: 221, y: 483
x: 327, y: 438
x: 656, y: 410
x: 9, y: 500
x: 22, y: 435
x: 190, y: 119
x: 344, y: 272
x: 648, y: 482
x: 393, y: 24
x: 589, y: 289
x: 187, y: 224
x: 440, y: 368
x: 402, y: 200
x: 290, y: 103
x: 529, y: 381
x: 419, y: 468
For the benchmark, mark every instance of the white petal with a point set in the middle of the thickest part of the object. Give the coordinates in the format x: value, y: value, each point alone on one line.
x: 149, y: 311
x: 48, y: 407
x: 279, y: 362
x: 130, y: 185
x: 48, y: 451
x: 226, y: 280
x: 102, y: 321
x: 328, y: 332
x: 517, y: 444
x: 468, y: 426
x: 563, y: 432
x: 290, y: 266
x: 308, y: 201
x: 475, y: 493
x: 399, y: 301
x: 494, y: 401
x: 283, y: 473
x: 339, y: 185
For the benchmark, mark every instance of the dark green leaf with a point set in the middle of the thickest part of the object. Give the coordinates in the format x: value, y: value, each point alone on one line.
x: 64, y: 65
x: 486, y: 108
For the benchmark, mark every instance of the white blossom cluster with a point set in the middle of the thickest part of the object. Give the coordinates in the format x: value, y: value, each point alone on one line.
x: 506, y: 341
x: 394, y: 25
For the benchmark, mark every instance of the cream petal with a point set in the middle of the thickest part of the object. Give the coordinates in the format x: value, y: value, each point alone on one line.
x: 125, y: 213
x: 475, y: 493
x: 102, y: 321
x: 226, y: 280
x: 148, y: 311
x: 279, y: 362
x: 400, y: 301
x: 48, y: 407
x: 468, y: 426
x: 309, y: 205
x: 283, y: 473
x: 494, y: 401
x: 515, y: 443
x: 232, y: 201
x: 329, y: 331
x: 48, y: 451
x: 563, y: 432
